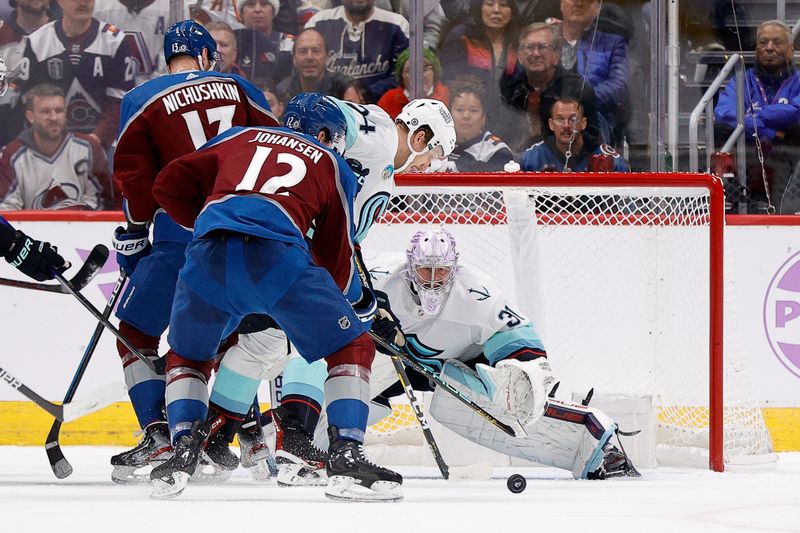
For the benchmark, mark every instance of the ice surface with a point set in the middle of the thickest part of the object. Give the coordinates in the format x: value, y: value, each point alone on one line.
x: 675, y: 500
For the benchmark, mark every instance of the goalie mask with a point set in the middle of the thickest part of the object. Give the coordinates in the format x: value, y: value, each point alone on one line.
x: 431, y: 268
x: 3, y: 77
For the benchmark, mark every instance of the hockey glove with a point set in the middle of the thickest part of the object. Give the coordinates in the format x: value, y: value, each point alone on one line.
x: 366, y: 307
x: 36, y: 259
x: 386, y: 324
x: 131, y: 247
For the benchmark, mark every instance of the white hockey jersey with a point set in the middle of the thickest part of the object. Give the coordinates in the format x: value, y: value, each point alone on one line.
x: 69, y: 179
x: 374, y: 148
x: 476, y: 318
x: 147, y: 26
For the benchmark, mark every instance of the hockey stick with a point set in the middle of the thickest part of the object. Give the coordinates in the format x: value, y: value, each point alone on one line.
x: 97, y: 258
x: 67, y: 412
x: 58, y: 463
x: 157, y: 366
x: 505, y: 428
x: 406, y: 383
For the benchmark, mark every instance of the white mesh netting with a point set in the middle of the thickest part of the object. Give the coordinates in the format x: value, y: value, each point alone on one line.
x: 616, y: 281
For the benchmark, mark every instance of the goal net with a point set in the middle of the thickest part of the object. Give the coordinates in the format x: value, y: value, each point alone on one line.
x: 623, y: 277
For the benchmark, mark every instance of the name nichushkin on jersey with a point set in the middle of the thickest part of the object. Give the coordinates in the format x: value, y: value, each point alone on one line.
x: 198, y: 93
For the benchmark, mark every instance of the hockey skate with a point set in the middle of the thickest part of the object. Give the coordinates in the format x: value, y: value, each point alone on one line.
x: 255, y: 452
x: 217, y: 462
x: 615, y: 464
x: 170, y: 478
x: 133, y: 466
x: 352, y: 477
x: 300, y: 463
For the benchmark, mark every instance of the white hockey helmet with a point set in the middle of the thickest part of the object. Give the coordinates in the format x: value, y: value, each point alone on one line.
x: 435, y: 115
x: 3, y: 76
x: 431, y: 261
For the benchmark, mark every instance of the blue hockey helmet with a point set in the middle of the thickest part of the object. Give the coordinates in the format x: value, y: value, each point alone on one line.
x: 310, y: 113
x: 187, y: 37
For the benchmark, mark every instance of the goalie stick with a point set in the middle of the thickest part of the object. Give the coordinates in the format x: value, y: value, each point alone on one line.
x: 157, y: 366
x: 58, y: 463
x: 67, y: 412
x: 505, y: 428
x: 94, y: 262
x: 406, y: 383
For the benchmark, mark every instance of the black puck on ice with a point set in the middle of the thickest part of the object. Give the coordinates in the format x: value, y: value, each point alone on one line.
x: 516, y: 483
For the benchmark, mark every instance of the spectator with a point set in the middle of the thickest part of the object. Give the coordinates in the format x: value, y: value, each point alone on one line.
x: 206, y: 12
x: 484, y: 47
x: 363, y: 42
x: 477, y: 150
x: 772, y: 116
x: 308, y: 58
x: 349, y: 90
x: 226, y: 48
x: 145, y: 22
x: 264, y: 54
x: 537, y: 81
x: 530, y: 11
x: 565, y: 151
x: 27, y: 16
x: 602, y: 59
x: 92, y: 61
x: 395, y: 99
x: 48, y: 168
x: 277, y: 102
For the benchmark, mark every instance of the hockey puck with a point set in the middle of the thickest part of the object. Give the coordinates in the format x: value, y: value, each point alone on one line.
x: 516, y: 483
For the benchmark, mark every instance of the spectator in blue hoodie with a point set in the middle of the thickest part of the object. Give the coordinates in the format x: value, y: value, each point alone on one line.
x: 772, y: 114
x: 602, y: 59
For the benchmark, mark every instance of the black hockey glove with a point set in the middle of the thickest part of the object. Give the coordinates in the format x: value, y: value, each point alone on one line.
x: 386, y: 325
x: 36, y: 259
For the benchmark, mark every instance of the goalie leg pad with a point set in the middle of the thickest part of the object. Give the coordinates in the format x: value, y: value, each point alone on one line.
x: 568, y: 436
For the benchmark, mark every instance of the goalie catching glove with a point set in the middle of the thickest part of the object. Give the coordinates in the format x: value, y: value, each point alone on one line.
x: 386, y: 325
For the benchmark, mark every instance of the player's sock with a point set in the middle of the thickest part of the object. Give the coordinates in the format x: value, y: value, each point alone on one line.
x: 145, y: 387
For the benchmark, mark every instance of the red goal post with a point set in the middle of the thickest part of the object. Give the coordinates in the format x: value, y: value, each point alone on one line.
x: 649, y: 207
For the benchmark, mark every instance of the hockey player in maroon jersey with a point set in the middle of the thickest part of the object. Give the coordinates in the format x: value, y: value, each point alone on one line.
x: 255, y: 193
x: 161, y: 120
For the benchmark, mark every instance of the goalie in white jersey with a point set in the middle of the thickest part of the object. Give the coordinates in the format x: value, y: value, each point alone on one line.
x: 457, y: 322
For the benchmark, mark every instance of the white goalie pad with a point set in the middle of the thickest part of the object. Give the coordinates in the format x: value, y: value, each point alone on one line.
x: 568, y: 436
x: 259, y: 355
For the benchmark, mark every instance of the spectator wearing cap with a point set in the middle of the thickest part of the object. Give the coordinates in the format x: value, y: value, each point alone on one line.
x: 363, y: 43
x: 264, y: 53
x: 308, y: 58
x: 395, y: 99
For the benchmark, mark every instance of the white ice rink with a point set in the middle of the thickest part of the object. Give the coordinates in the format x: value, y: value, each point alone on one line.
x: 675, y: 500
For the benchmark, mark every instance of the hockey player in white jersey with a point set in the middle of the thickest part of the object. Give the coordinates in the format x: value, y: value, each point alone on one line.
x: 457, y: 322
x: 376, y: 146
